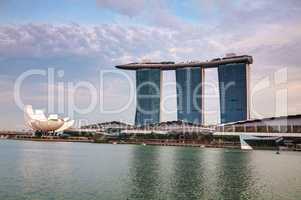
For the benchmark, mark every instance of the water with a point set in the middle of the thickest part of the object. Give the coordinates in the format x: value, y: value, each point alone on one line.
x: 40, y: 170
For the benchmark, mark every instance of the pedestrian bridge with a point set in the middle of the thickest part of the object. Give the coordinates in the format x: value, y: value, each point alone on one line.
x: 267, y: 129
x: 258, y: 134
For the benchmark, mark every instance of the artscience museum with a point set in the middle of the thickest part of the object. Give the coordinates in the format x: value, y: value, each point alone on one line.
x: 52, y: 124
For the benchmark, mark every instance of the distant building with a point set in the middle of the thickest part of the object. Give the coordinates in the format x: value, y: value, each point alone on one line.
x: 107, y: 125
x: 233, y: 84
x: 273, y: 131
x: 189, y: 105
x: 233, y: 75
x: 163, y: 128
x: 37, y: 121
x: 148, y: 86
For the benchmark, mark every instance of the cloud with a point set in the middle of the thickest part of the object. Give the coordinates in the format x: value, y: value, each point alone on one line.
x: 243, y: 26
x: 155, y: 12
x: 247, y: 17
x: 130, y: 7
x: 107, y: 42
x: 115, y: 44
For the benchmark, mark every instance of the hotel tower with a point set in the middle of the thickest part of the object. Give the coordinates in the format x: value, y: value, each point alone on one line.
x: 233, y: 81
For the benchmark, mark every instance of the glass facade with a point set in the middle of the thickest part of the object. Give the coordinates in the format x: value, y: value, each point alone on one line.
x: 148, y: 83
x: 189, y: 94
x: 233, y: 92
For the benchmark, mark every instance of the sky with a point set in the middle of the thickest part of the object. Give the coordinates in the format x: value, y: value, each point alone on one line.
x: 79, y: 43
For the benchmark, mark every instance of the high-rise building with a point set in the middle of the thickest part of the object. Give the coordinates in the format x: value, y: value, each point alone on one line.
x: 233, y: 75
x: 148, y: 87
x: 189, y: 94
x: 233, y: 92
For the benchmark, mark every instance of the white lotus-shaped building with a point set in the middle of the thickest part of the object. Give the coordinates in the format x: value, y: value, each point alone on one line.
x: 37, y: 120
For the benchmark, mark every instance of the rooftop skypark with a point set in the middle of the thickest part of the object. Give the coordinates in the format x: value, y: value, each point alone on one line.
x: 169, y: 65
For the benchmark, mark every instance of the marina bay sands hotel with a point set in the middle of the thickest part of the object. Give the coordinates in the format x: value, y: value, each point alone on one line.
x: 233, y: 79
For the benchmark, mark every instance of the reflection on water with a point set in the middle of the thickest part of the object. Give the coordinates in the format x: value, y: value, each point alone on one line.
x: 187, y: 174
x: 234, y: 175
x: 144, y: 173
x: 33, y: 170
x: 38, y: 162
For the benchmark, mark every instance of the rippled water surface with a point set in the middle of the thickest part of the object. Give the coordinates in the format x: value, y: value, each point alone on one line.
x: 40, y: 170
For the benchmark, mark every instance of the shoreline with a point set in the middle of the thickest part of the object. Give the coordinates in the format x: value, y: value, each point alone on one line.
x: 145, y: 142
x: 52, y: 140
x: 141, y: 142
